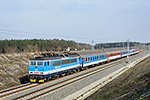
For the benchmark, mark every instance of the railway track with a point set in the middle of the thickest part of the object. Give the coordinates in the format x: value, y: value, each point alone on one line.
x: 35, y: 91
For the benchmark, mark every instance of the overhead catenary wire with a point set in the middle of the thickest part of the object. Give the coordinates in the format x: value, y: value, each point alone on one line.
x: 37, y: 35
x: 48, y: 35
x: 31, y: 33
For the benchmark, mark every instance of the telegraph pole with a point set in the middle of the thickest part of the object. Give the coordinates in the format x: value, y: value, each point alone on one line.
x: 144, y: 49
x: 128, y: 52
x: 123, y: 45
x: 92, y: 45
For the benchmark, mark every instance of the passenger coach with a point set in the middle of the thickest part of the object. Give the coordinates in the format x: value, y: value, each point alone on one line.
x: 91, y: 58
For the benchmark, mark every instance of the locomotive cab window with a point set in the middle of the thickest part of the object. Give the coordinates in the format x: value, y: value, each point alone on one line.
x: 32, y: 63
x: 39, y: 63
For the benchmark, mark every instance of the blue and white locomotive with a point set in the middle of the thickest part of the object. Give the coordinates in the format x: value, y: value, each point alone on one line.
x: 52, y: 65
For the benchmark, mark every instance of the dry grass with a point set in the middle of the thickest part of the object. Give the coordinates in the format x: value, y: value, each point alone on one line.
x: 13, y: 67
x: 135, y: 83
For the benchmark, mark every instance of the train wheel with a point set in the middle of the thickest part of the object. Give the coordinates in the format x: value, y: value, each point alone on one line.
x: 78, y: 70
x: 49, y: 78
x: 75, y: 71
x: 81, y: 68
x: 86, y: 68
x: 57, y: 76
x: 63, y: 74
x: 67, y: 73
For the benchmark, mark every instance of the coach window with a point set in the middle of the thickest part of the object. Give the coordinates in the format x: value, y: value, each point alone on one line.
x: 91, y: 58
x: 44, y: 63
x: 83, y: 59
x: 88, y: 59
x: 103, y: 56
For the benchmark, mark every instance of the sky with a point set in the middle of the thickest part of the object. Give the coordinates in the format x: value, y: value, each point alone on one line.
x: 78, y: 20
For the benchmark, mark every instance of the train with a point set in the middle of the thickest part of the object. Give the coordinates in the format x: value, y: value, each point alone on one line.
x: 51, y: 65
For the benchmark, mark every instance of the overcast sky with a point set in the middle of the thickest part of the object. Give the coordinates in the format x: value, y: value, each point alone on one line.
x: 78, y: 20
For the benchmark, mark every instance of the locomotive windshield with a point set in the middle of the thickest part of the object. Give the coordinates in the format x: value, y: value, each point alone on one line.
x: 32, y: 63
x: 39, y: 63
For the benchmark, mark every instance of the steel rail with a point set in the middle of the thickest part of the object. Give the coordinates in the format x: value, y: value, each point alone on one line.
x: 50, y: 81
x: 85, y: 75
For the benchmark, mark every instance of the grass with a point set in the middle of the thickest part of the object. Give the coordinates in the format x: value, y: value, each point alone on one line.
x: 13, y: 68
x: 131, y: 80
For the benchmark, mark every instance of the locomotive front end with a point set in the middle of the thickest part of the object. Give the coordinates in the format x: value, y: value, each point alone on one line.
x: 36, y: 70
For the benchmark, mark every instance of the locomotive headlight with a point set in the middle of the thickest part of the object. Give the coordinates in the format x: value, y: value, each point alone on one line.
x: 31, y: 72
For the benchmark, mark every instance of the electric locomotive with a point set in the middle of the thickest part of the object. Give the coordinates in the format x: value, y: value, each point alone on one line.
x: 49, y: 66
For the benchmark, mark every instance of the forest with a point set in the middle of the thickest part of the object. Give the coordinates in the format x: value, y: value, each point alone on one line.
x: 41, y: 45
x: 121, y: 44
